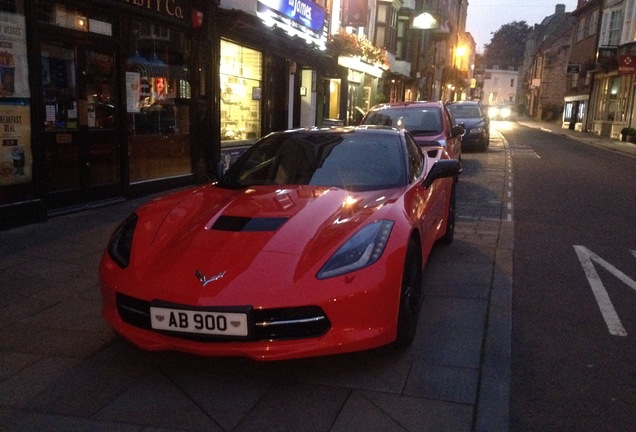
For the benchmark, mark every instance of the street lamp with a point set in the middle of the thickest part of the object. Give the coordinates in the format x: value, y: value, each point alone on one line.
x: 424, y: 21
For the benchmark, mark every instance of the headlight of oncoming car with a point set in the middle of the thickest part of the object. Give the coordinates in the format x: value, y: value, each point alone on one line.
x: 363, y: 249
x: 120, y: 243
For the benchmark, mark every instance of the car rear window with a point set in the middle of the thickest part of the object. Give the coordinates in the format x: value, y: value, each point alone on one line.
x: 465, y: 111
x: 415, y: 120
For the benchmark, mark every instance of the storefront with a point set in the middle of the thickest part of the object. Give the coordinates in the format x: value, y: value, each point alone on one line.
x: 575, y: 112
x: 613, y: 97
x: 272, y: 62
x: 102, y: 102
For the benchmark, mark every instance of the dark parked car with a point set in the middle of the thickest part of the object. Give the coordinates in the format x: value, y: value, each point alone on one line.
x: 476, y: 122
x: 429, y: 123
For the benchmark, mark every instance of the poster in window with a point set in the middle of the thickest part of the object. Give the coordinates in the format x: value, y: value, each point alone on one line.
x: 15, y: 149
x: 14, y: 71
x: 133, y: 91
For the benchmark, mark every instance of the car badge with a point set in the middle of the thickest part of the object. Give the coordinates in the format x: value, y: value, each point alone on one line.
x: 205, y: 280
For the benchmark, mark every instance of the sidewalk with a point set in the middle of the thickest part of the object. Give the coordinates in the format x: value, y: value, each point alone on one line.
x: 585, y: 137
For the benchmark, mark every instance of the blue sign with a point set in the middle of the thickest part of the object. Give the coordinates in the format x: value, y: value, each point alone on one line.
x: 303, y: 12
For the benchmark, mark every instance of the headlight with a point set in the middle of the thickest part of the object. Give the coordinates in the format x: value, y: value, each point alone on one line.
x: 493, y: 112
x: 476, y: 130
x: 505, y: 112
x: 120, y: 243
x: 363, y: 249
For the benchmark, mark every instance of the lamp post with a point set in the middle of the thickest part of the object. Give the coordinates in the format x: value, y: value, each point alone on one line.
x: 422, y: 21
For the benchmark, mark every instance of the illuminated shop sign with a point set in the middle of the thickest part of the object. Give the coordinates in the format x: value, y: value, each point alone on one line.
x: 301, y: 18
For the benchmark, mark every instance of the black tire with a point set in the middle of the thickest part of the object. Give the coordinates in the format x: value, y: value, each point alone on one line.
x: 483, y: 146
x: 450, y: 226
x: 410, y: 296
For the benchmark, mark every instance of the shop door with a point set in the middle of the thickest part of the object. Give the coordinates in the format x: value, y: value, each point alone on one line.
x: 80, y: 123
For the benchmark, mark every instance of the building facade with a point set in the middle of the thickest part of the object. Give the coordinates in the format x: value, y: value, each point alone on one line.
x: 545, y: 63
x: 104, y: 100
x: 100, y: 102
x: 500, y: 87
x: 582, y: 64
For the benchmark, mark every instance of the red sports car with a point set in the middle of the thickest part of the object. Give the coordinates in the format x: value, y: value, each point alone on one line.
x: 312, y: 243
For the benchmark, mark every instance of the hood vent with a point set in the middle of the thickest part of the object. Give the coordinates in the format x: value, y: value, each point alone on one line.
x: 239, y: 224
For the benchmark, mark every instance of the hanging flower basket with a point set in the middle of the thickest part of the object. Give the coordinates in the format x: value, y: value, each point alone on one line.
x: 348, y: 44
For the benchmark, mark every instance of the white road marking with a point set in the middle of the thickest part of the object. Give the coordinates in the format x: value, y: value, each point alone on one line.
x: 587, y: 259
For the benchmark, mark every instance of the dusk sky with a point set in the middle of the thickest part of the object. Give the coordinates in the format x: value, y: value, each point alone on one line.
x: 487, y: 16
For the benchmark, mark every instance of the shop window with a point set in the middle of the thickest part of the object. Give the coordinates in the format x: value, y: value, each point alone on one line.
x: 568, y: 111
x: 581, y: 113
x: 62, y: 15
x: 158, y: 98
x: 241, y: 86
x: 16, y: 160
x: 331, y: 112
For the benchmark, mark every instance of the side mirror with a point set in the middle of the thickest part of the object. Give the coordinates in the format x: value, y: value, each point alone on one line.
x: 443, y: 168
x: 458, y: 130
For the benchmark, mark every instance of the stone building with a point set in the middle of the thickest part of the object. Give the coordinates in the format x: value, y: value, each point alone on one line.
x: 544, y: 72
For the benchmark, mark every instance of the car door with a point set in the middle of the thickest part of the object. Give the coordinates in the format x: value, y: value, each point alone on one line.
x: 453, y: 139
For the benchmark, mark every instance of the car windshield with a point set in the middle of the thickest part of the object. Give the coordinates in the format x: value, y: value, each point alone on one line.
x: 465, y: 111
x: 415, y: 120
x: 358, y: 162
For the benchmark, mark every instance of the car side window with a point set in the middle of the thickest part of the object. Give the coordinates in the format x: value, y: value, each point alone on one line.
x: 450, y: 117
x: 416, y: 159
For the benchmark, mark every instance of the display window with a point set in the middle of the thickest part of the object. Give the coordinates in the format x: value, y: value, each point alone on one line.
x: 241, y: 86
x: 16, y: 157
x: 158, y: 98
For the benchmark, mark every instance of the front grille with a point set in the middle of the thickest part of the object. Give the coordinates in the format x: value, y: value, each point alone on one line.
x: 267, y: 324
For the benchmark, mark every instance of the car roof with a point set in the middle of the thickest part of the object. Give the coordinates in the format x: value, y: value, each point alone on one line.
x: 410, y: 104
x: 464, y: 103
x: 340, y: 130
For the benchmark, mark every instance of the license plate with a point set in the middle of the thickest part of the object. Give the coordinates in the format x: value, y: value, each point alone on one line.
x: 199, y: 322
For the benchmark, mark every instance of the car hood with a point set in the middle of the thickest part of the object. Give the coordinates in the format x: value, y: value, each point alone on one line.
x: 263, y: 235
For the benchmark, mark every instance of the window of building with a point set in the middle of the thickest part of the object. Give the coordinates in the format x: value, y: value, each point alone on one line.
x: 402, y: 50
x: 592, y: 23
x: 610, y: 102
x: 241, y: 84
x: 158, y: 98
x: 580, y: 31
x: 386, y: 26
x: 574, y: 80
x: 611, y: 27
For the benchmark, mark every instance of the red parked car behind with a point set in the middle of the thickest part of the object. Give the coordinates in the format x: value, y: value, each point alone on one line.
x: 430, y: 123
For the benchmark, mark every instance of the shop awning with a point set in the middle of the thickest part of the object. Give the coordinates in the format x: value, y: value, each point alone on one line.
x: 156, y: 68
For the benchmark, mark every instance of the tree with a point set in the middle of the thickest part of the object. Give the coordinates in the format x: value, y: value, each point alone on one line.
x: 507, y: 46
